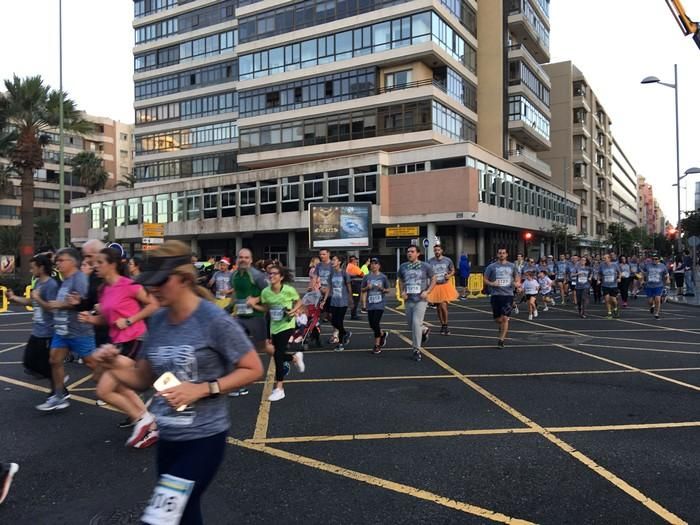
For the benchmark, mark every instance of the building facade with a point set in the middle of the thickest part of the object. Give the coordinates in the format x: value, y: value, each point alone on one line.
x: 582, y: 157
x: 697, y: 196
x: 624, y: 189
x: 647, y: 208
x: 111, y: 140
x: 229, y: 87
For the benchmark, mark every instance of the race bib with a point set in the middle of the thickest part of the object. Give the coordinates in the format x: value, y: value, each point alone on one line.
x: 168, y: 501
x: 38, y: 315
x: 374, y: 299
x: 337, y: 291
x: 609, y: 279
x: 413, y: 288
x: 220, y: 295
x: 654, y: 276
x: 503, y: 282
x: 61, y: 323
x: 277, y: 313
x: 243, y: 308
x: 440, y: 278
x: 574, y: 279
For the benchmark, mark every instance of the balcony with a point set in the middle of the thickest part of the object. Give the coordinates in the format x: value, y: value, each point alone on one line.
x: 528, y: 29
x: 527, y: 159
x: 526, y: 133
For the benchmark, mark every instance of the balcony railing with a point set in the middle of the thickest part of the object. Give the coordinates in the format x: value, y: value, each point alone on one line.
x: 414, y: 84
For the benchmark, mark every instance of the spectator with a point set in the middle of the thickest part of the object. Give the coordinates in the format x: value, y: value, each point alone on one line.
x: 465, y: 270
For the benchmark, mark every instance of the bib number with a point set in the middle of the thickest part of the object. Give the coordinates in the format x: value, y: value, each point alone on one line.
x: 374, y: 299
x: 440, y: 278
x: 61, y: 323
x: 277, y: 313
x: 168, y: 501
x: 38, y: 316
x: 413, y: 289
x: 243, y: 308
x: 574, y: 280
x: 503, y: 282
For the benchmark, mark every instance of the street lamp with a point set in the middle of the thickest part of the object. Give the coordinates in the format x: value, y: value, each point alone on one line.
x: 655, y: 80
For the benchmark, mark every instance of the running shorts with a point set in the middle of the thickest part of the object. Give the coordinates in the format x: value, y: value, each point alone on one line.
x: 255, y: 327
x: 530, y: 296
x: 611, y: 291
x: 502, y: 305
x: 655, y: 291
x: 130, y: 349
x: 81, y: 346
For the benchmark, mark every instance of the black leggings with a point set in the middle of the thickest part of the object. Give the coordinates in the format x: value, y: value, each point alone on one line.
x: 581, y: 298
x: 625, y: 288
x: 196, y: 460
x: 337, y: 318
x: 597, y: 290
x: 374, y: 317
x: 281, y: 341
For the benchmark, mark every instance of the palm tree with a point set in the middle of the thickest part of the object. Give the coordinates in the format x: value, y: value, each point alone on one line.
x: 128, y: 181
x: 32, y: 108
x: 90, y: 170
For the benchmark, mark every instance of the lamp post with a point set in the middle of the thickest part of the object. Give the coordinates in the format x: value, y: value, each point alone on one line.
x: 61, y: 156
x: 655, y: 80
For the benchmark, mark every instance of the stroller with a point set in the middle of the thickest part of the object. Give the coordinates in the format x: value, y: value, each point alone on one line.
x: 310, y: 330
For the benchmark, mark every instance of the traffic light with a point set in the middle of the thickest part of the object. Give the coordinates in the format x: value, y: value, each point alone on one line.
x: 672, y: 234
x: 528, y: 236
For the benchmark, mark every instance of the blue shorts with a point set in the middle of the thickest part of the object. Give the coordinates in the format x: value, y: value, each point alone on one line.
x: 655, y: 291
x: 81, y: 346
x: 501, y: 305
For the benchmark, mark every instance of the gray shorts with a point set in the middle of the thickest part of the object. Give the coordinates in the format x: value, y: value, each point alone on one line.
x: 255, y: 327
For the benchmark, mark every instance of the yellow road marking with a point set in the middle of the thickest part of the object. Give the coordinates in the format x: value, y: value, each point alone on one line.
x: 473, y: 432
x: 563, y: 445
x: 630, y: 367
x: 83, y: 389
x: 382, y: 483
x: 45, y: 390
x: 263, y: 419
x: 15, y: 347
x: 80, y: 381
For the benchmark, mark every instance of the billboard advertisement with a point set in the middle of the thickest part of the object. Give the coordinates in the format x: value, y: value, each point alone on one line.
x: 346, y: 225
x: 7, y: 264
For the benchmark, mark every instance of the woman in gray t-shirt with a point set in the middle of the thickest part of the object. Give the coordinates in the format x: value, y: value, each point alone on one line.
x: 195, y: 346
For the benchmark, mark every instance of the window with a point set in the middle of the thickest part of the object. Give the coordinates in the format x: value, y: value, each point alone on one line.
x: 228, y: 201
x: 398, y: 78
x: 289, y: 190
x: 247, y: 194
x: 147, y: 204
x: 520, y: 108
x: 162, y: 205
x: 120, y: 212
x: 313, y: 188
x: 268, y: 196
x: 211, y: 203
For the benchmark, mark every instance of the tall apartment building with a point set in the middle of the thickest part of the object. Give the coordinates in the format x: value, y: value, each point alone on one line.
x: 111, y: 140
x: 647, y: 209
x: 697, y: 196
x: 624, y: 189
x: 248, y: 111
x: 581, y: 157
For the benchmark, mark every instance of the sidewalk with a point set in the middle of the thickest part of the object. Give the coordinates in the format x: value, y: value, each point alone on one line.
x: 691, y: 301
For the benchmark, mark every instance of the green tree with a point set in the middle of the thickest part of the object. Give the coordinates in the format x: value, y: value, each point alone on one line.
x: 690, y: 224
x: 9, y: 240
x: 129, y: 181
x: 620, y: 238
x: 31, y: 108
x: 46, y: 230
x: 562, y: 239
x: 90, y: 171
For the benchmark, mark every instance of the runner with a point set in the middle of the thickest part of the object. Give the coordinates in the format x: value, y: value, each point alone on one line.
x: 356, y: 276
x: 416, y: 281
x: 655, y: 277
x: 531, y: 288
x: 247, y: 284
x: 37, y: 351
x: 635, y: 270
x: 584, y: 274
x: 70, y: 335
x: 374, y: 288
x: 7, y: 472
x: 561, y: 271
x: 596, y: 281
x: 323, y: 271
x: 444, y: 291
x: 609, y: 276
x: 282, y: 301
x: 625, y: 279
x: 573, y: 265
x: 220, y: 282
x: 503, y: 278
x: 546, y: 292
x: 340, y: 294
x: 195, y: 345
x: 90, y: 250
x: 135, y: 267
x: 679, y: 275
x: 123, y: 307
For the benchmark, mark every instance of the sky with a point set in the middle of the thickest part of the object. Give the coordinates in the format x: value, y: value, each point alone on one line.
x: 615, y: 43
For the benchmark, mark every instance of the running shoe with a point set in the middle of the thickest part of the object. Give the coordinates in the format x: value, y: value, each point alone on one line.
x: 100, y: 403
x: 583, y: 316
x: 346, y: 339
x: 651, y: 309
x: 149, y: 439
x: 545, y: 309
x: 383, y: 338
x: 339, y: 348
x: 501, y: 343
x: 529, y: 317
x: 299, y: 361
x: 417, y: 355
x: 656, y: 316
x: 616, y: 313
x: 425, y: 336
x: 377, y: 350
x: 54, y: 402
x: 277, y: 395
x: 7, y: 471
x: 244, y: 391
x: 141, y: 428
x: 535, y: 313
x: 609, y: 316
x: 516, y: 310
x: 126, y: 423
x: 446, y: 330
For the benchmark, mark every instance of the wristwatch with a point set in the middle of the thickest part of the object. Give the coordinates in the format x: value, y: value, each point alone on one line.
x: 128, y: 322
x: 214, y: 389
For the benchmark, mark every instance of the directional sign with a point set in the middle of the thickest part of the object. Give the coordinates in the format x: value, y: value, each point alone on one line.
x: 152, y: 240
x: 153, y: 229
x: 694, y: 241
x: 426, y: 243
x: 403, y: 231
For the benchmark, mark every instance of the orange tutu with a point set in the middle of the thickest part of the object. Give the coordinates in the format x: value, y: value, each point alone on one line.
x: 443, y: 293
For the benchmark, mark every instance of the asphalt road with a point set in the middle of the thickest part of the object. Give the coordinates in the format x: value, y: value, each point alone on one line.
x: 575, y: 421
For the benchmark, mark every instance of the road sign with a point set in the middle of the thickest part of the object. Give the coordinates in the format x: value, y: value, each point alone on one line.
x: 399, y: 243
x: 426, y: 243
x: 403, y: 231
x: 153, y: 229
x: 152, y: 240
x: 694, y: 241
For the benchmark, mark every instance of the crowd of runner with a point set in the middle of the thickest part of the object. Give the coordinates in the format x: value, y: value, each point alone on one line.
x: 169, y: 337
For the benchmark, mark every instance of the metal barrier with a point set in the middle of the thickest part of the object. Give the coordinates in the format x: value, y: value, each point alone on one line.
x: 475, y: 286
x: 4, y: 307
x: 28, y: 295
